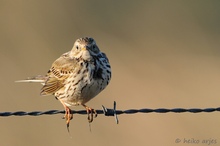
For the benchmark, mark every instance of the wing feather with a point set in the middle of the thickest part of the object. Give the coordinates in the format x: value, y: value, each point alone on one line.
x: 58, y: 73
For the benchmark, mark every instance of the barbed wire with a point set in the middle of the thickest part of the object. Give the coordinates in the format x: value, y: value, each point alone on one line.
x: 112, y: 112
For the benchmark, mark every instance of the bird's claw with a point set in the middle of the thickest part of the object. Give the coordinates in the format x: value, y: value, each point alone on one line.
x: 91, y: 113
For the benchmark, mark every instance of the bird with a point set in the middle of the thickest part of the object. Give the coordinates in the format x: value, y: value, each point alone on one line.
x: 76, y: 77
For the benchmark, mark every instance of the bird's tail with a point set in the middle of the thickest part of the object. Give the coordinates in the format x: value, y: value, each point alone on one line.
x: 37, y: 79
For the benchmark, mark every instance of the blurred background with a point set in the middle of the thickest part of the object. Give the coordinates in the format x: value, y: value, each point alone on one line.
x: 164, y: 54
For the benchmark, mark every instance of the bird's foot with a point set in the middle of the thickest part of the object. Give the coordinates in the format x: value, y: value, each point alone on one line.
x: 68, y: 116
x: 91, y: 113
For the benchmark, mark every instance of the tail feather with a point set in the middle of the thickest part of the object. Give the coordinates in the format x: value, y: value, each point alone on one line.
x: 36, y: 79
x: 30, y: 81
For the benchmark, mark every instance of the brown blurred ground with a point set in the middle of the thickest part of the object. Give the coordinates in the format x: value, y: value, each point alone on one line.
x: 163, y: 54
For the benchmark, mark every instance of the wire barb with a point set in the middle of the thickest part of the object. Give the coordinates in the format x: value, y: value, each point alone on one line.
x: 111, y: 112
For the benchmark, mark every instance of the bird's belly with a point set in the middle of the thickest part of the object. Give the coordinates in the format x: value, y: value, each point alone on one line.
x: 83, y: 92
x: 81, y: 87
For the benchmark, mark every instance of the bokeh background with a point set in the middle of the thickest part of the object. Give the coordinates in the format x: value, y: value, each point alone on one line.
x: 164, y: 54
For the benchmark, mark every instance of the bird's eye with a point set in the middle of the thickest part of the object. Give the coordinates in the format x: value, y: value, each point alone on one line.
x: 77, y: 47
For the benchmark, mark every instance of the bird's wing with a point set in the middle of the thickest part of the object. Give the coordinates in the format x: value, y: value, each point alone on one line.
x: 58, y: 73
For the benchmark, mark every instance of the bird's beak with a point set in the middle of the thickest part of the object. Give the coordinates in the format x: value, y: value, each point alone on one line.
x: 85, y: 48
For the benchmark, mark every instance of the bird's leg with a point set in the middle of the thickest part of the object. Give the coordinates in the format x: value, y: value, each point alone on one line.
x: 68, y: 114
x: 90, y: 113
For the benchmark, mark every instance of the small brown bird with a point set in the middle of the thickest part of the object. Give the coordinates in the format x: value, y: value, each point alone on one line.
x: 76, y: 77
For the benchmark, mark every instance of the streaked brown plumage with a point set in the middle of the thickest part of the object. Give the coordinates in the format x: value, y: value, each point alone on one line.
x: 76, y: 76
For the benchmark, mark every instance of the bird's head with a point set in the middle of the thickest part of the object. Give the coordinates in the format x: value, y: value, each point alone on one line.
x: 84, y: 48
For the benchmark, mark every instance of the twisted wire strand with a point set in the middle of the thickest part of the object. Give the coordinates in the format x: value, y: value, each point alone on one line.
x: 111, y: 112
